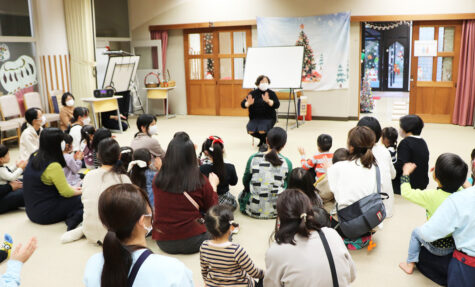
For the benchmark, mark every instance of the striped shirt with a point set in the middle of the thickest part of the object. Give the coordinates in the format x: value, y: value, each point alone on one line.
x: 317, y: 162
x: 227, y: 265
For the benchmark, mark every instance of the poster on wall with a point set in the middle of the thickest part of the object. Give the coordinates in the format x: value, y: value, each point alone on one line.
x: 18, y: 73
x: 425, y: 48
x: 326, y: 41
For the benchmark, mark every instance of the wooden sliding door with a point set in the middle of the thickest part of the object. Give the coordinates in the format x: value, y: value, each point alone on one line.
x: 214, y: 66
x: 434, y: 79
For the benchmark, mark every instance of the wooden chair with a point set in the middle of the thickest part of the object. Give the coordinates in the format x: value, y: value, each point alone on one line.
x: 11, y: 117
x: 33, y: 100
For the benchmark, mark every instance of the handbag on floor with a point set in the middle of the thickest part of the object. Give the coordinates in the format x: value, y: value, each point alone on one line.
x: 362, y: 216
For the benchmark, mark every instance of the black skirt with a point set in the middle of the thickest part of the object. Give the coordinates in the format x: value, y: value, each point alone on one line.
x: 259, y: 125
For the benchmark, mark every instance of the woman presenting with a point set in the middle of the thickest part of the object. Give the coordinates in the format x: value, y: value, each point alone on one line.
x: 262, y: 104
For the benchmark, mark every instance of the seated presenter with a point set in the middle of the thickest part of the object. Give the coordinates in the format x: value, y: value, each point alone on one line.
x: 262, y: 103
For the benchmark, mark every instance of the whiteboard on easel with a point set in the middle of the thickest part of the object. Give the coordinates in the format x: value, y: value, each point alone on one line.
x: 283, y: 66
x: 120, y: 72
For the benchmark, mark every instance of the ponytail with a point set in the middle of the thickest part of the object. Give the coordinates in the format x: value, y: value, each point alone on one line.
x: 117, y: 262
x: 219, y: 167
x: 23, y: 127
x: 137, y: 176
x: 273, y: 158
x: 368, y: 159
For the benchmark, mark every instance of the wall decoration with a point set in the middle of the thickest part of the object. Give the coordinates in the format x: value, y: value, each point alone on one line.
x: 325, y: 39
x: 4, y: 53
x: 19, y: 74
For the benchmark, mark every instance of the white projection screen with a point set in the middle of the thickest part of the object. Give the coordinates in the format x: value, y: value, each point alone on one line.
x: 283, y: 66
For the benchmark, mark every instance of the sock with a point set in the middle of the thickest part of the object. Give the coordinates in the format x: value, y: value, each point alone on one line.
x: 6, y: 248
x: 72, y: 235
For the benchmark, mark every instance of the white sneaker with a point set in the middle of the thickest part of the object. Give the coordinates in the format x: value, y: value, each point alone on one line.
x: 72, y: 235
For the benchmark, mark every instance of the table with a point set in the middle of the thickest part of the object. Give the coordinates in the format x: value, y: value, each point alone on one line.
x: 159, y: 93
x: 290, y: 95
x: 107, y: 104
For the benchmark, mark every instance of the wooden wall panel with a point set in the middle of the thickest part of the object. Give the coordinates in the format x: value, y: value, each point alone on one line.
x: 56, y: 74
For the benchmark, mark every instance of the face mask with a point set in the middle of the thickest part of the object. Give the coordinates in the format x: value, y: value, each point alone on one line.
x: 148, y: 229
x: 153, y: 130
x: 70, y: 103
x: 63, y: 145
x: 43, y: 120
x: 86, y: 121
x: 263, y: 86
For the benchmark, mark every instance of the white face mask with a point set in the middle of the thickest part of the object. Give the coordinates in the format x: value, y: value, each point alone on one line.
x: 86, y: 121
x: 263, y: 86
x: 150, y: 228
x: 43, y: 120
x: 70, y: 103
x: 63, y: 145
x: 153, y: 130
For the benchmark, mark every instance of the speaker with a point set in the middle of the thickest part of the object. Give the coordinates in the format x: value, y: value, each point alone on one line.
x: 106, y: 93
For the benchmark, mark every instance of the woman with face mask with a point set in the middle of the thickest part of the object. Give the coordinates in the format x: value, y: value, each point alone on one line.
x: 147, y: 126
x: 125, y: 260
x: 66, y: 111
x: 30, y: 132
x: 80, y: 119
x: 262, y: 103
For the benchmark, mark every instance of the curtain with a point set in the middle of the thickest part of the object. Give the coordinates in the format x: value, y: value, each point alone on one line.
x: 160, y: 35
x: 80, y: 35
x: 465, y: 95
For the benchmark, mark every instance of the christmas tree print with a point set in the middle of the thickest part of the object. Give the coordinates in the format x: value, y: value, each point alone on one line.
x: 366, y: 100
x: 208, y: 47
x: 340, y: 76
x: 320, y: 62
x: 309, y: 73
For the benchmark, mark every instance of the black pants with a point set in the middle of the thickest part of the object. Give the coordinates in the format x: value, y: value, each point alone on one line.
x: 184, y: 246
x: 261, y: 137
x: 12, y: 201
x: 114, y: 124
x: 69, y: 210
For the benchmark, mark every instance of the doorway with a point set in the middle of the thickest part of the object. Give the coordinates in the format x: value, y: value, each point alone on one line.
x: 214, y: 67
x: 385, y: 66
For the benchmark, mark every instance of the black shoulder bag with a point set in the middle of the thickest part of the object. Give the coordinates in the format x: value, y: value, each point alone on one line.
x: 329, y: 257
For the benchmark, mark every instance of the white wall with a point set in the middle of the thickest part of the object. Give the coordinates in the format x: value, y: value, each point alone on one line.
x: 335, y: 103
x: 50, y: 27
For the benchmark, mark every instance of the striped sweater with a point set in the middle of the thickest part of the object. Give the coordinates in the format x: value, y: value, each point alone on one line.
x: 316, y: 162
x: 227, y: 265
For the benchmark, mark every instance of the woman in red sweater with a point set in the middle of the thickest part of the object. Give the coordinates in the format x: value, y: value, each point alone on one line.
x: 182, y: 194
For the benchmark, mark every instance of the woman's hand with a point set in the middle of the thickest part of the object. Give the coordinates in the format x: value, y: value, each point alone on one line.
x: 16, y: 184
x: 77, y: 190
x: 249, y: 101
x: 21, y: 164
x: 266, y: 99
x: 23, y: 253
x: 213, y: 180
x: 408, y: 168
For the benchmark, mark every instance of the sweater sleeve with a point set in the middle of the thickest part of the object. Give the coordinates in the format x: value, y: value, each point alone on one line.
x: 233, y: 178
x: 308, y: 164
x: 417, y: 196
x: 241, y: 257
x: 403, y: 156
x: 246, y: 179
x: 273, y: 97
x: 64, y: 117
x: 73, y: 165
x: 289, y: 164
x: 210, y: 197
x: 4, y: 189
x: 444, y: 222
x: 243, y: 103
x: 157, y: 149
x: 203, y: 264
x: 54, y: 175
x: 11, y: 278
x: 7, y: 175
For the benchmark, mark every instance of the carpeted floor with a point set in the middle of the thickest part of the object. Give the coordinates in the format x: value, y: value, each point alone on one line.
x: 54, y: 264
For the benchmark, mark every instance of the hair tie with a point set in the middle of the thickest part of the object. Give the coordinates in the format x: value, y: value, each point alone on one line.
x: 214, y: 140
x: 126, y: 151
x: 140, y: 163
x: 304, y: 216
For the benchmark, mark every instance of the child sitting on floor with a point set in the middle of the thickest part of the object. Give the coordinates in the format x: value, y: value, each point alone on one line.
x: 324, y: 143
x: 140, y: 172
x: 389, y: 140
x: 87, y: 134
x: 73, y: 161
x: 224, y: 263
x: 6, y: 174
x: 450, y: 173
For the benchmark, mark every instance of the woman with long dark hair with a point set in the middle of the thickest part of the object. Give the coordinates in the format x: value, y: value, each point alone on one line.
x: 181, y: 195
x: 213, y: 148
x: 95, y: 182
x: 266, y: 176
x: 126, y: 213
x: 147, y: 126
x: 298, y: 257
x: 48, y: 196
x: 30, y: 132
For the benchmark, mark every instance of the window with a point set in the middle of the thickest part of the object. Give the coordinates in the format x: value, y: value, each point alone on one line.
x: 15, y: 18
x: 112, y: 18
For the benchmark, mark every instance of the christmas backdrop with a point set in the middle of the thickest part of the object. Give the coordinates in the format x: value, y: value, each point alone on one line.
x: 326, y: 41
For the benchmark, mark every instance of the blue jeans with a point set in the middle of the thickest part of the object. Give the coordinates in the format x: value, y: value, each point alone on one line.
x: 415, y: 247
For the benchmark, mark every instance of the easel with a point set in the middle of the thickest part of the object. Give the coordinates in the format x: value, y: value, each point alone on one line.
x: 292, y: 93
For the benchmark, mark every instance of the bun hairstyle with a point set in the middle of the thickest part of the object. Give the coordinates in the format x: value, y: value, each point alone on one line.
x: 120, y: 208
x: 276, y: 139
x: 219, y: 219
x: 214, y: 146
x: 296, y: 216
x: 360, y: 142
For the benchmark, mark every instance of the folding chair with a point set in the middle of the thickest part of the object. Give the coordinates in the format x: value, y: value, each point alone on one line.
x: 33, y: 100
